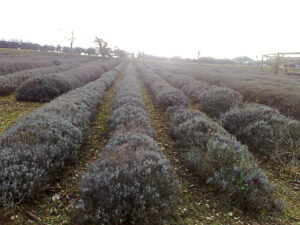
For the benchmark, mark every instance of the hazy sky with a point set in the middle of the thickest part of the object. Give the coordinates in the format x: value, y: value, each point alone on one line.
x: 220, y: 28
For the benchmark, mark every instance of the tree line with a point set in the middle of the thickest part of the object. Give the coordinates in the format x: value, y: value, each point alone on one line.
x: 102, y: 48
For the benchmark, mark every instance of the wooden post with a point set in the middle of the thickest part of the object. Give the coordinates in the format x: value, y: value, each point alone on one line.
x: 277, y: 64
x: 285, y: 68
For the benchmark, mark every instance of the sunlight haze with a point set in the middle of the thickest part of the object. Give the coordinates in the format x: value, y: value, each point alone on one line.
x: 221, y: 29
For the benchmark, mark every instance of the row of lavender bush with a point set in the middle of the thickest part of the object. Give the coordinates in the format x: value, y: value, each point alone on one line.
x: 263, y: 128
x: 210, y: 152
x: 214, y: 99
x: 132, y: 179
x: 46, y: 87
x: 42, y: 142
x: 11, y: 82
x: 8, y: 66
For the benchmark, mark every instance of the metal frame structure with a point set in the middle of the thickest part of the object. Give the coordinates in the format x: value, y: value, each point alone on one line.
x: 280, y: 59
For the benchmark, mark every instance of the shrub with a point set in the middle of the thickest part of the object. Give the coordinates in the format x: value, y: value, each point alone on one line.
x: 130, y: 117
x: 6, y: 87
x: 12, y: 81
x: 195, y: 132
x: 128, y: 99
x: 216, y: 157
x: 187, y: 84
x: 12, y: 66
x: 265, y: 130
x: 165, y: 95
x: 132, y: 180
x: 177, y: 80
x: 42, y: 89
x: 46, y: 88
x: 129, y: 109
x: 194, y: 90
x: 24, y: 168
x: 215, y: 100
x: 228, y: 165
x: 245, y: 114
x: 171, y: 98
x: 218, y: 100
x: 42, y: 142
x: 127, y: 186
x: 211, y: 153
x: 133, y: 141
x: 181, y: 115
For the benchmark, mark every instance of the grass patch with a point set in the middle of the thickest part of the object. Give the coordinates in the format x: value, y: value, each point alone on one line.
x: 288, y: 189
x: 11, y: 111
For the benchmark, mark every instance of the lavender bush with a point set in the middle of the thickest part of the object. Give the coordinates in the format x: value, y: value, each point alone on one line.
x: 130, y: 117
x: 164, y: 94
x: 215, y: 156
x: 132, y: 180
x: 45, y: 88
x: 8, y: 66
x: 218, y: 100
x: 265, y: 130
x: 12, y: 81
x: 214, y: 100
x: 43, y: 141
x: 127, y: 186
x: 133, y: 141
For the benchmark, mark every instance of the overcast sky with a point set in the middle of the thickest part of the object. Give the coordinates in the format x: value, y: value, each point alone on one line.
x: 220, y: 28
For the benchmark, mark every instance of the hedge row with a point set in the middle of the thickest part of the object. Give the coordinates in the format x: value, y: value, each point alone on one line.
x: 12, y: 66
x: 132, y: 179
x: 214, y: 155
x: 11, y: 82
x: 215, y: 100
x: 263, y: 128
x: 46, y: 87
x: 165, y: 95
x: 44, y: 141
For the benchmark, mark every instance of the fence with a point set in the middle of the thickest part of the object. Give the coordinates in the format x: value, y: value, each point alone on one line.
x: 288, y: 63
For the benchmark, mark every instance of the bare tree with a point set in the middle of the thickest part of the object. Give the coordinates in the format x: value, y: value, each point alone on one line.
x: 78, y: 50
x: 199, y: 52
x: 120, y: 53
x: 58, y: 48
x: 66, y: 49
x: 102, y: 47
x: 91, y: 51
x: 71, y: 40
